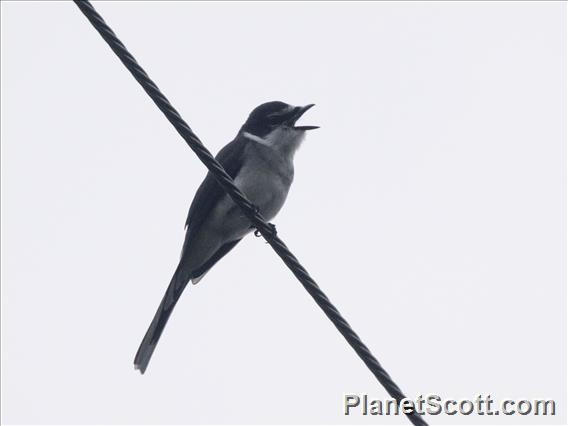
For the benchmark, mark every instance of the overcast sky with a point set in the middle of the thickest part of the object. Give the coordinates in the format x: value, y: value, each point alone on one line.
x: 429, y: 207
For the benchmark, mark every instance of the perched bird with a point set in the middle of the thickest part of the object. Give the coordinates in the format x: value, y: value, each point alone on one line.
x: 260, y: 161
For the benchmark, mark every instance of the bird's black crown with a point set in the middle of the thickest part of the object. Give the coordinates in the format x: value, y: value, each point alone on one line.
x: 266, y: 117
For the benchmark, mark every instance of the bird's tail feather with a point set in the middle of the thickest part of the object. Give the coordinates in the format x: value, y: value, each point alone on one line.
x: 177, y: 285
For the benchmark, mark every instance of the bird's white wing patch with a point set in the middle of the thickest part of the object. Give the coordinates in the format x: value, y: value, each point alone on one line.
x: 256, y: 138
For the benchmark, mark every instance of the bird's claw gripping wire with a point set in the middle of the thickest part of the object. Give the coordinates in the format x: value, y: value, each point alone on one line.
x: 272, y: 233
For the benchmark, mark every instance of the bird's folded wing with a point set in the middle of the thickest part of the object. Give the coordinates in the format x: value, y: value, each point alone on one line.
x: 209, y: 192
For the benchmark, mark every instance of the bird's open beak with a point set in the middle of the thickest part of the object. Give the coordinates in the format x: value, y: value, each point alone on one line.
x: 298, y: 112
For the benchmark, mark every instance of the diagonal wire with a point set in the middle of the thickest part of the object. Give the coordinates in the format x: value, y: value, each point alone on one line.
x: 249, y: 209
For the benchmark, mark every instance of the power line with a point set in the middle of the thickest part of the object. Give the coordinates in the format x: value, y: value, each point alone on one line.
x: 249, y: 209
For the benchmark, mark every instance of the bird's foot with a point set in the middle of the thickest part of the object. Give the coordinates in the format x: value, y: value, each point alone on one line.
x: 272, y: 233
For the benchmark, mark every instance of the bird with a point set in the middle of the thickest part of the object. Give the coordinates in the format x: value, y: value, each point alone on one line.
x: 260, y: 160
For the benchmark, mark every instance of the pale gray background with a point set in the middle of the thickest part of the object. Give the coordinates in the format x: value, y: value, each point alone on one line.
x: 429, y: 207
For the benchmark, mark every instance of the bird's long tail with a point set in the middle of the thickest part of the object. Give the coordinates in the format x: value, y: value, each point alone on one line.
x: 177, y: 285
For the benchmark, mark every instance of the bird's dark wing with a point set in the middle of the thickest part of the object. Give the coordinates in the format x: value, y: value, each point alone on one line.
x: 223, y: 250
x: 209, y: 192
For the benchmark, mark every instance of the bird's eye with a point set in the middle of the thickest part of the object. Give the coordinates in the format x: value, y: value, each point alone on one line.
x: 274, y: 119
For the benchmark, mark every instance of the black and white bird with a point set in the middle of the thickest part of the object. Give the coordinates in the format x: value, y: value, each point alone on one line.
x: 260, y: 161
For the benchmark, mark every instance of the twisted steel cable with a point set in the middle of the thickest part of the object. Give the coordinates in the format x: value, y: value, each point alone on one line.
x: 249, y: 209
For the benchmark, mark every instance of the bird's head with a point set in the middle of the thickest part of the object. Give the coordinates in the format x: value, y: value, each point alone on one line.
x: 275, y: 123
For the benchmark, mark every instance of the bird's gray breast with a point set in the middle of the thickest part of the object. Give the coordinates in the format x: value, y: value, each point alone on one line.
x: 265, y: 178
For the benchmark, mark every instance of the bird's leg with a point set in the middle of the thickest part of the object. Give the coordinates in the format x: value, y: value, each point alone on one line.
x: 256, y: 211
